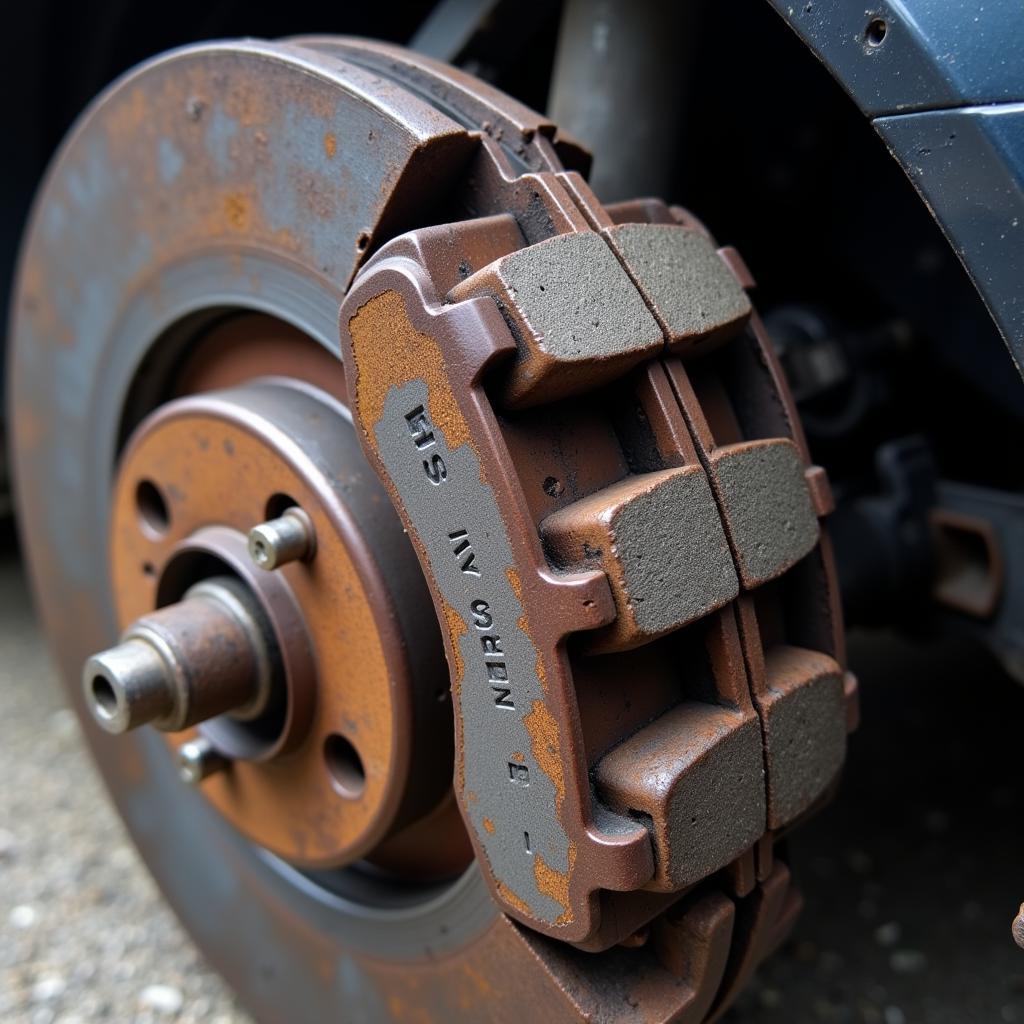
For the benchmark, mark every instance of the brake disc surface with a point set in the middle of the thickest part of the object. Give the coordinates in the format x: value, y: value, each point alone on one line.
x: 578, y: 418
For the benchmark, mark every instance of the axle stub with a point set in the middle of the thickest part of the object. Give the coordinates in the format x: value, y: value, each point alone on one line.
x: 204, y: 656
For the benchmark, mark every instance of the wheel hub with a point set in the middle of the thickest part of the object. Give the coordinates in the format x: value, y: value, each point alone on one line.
x: 324, y: 772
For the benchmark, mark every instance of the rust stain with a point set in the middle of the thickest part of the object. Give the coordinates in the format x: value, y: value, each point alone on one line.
x: 517, y: 587
x: 518, y: 755
x: 247, y: 106
x: 523, y: 623
x: 543, y: 730
x: 402, y: 1011
x: 509, y: 897
x: 126, y: 119
x: 555, y: 884
x: 542, y: 672
x: 34, y: 287
x: 488, y: 826
x: 330, y: 145
x: 457, y: 628
x: 237, y: 212
x: 321, y: 103
x: 390, y: 352
x: 481, y: 981
x: 294, y: 811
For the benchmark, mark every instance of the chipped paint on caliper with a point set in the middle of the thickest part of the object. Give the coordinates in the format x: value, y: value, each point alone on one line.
x: 525, y: 800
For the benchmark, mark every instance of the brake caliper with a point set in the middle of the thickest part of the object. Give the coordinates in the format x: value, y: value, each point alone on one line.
x: 583, y: 426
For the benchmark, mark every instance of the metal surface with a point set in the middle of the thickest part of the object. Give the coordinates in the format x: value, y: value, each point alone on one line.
x: 183, y: 664
x: 942, y: 83
x: 198, y: 759
x: 288, y: 538
x: 968, y: 166
x: 898, y: 56
x: 618, y: 88
x: 225, y: 181
x: 360, y: 718
x: 449, y: 27
x: 977, y: 580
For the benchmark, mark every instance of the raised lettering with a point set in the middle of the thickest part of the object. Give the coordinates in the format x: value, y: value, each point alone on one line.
x: 482, y: 617
x: 503, y: 698
x: 419, y: 427
x: 461, y: 545
x: 435, y: 469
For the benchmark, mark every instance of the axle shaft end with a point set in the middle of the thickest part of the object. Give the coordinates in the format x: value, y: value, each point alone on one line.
x: 127, y: 686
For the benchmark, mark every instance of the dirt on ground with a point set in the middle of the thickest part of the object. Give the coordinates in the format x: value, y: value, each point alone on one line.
x: 910, y: 879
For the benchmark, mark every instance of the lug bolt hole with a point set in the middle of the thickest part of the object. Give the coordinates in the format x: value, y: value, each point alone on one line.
x: 278, y: 504
x: 345, y: 766
x: 152, y: 507
x: 553, y: 487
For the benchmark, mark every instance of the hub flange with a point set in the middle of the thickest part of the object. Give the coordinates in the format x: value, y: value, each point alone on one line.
x: 325, y: 772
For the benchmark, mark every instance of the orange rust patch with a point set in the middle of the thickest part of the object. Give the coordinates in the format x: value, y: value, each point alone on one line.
x: 456, y: 630
x: 390, y: 352
x: 543, y: 730
x: 517, y: 586
x: 125, y: 120
x: 330, y: 145
x: 248, y: 106
x: 513, y: 900
x: 518, y: 755
x: 294, y: 810
x: 478, y: 979
x: 488, y: 826
x: 555, y: 884
x: 524, y: 624
x: 542, y: 672
x: 237, y: 212
x: 456, y: 626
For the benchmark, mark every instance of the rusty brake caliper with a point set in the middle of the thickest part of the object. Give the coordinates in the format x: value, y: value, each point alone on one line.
x: 583, y: 426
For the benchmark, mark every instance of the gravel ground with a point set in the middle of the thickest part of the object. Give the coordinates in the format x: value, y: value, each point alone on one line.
x: 84, y: 934
x: 910, y: 879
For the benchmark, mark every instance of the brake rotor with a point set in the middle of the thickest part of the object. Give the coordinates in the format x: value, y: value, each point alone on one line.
x: 613, y: 529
